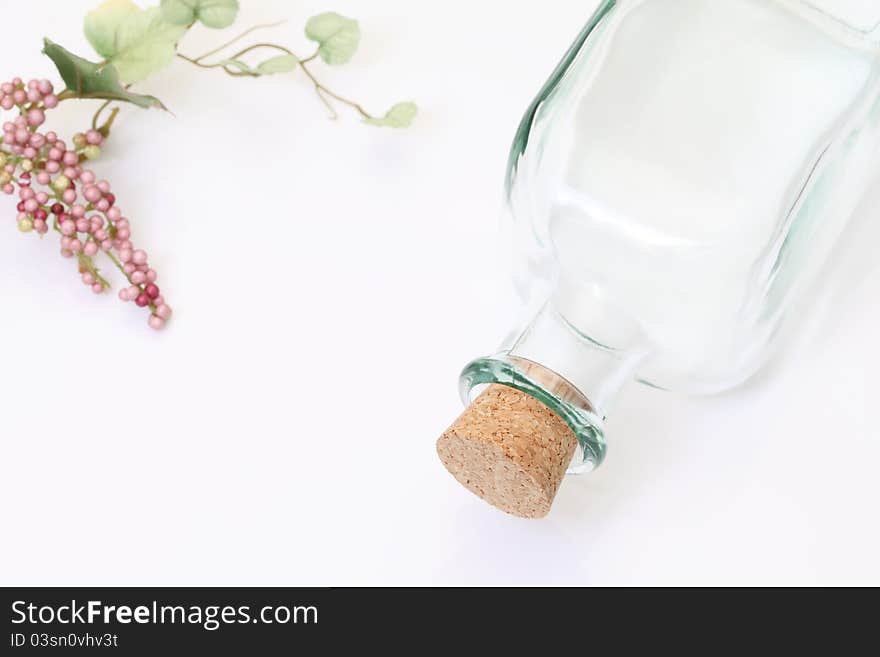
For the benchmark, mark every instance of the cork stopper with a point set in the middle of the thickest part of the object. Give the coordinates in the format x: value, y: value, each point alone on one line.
x: 509, y: 449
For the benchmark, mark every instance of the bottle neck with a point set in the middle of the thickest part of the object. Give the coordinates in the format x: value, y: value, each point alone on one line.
x: 597, y: 370
x: 558, y: 362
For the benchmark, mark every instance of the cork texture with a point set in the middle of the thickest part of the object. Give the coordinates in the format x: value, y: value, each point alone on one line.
x: 509, y: 449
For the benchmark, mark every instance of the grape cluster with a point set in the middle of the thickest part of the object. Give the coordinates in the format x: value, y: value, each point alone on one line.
x: 70, y: 199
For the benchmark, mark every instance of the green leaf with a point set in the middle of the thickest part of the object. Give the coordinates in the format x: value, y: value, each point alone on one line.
x: 216, y: 14
x: 240, y: 65
x: 86, y: 79
x: 99, y: 22
x: 280, y: 64
x: 399, y: 116
x: 179, y: 12
x: 337, y: 36
x: 138, y: 42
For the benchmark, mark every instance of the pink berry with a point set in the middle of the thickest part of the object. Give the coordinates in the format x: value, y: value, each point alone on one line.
x: 142, y: 300
x: 36, y: 117
x: 92, y: 194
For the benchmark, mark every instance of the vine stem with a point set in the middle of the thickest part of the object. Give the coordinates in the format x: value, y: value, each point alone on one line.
x: 104, y: 129
x: 321, y: 90
x: 196, y: 61
x: 236, y: 40
x: 97, y: 115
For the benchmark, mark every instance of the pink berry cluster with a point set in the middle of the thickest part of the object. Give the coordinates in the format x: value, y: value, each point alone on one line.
x: 72, y: 201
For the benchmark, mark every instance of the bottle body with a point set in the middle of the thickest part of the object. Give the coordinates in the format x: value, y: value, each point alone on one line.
x: 676, y: 187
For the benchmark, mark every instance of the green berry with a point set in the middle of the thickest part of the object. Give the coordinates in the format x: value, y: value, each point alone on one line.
x: 27, y: 165
x: 26, y: 225
x: 92, y: 152
x: 60, y: 184
x: 79, y: 140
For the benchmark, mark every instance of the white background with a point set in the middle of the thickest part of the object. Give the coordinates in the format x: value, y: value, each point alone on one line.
x: 330, y: 280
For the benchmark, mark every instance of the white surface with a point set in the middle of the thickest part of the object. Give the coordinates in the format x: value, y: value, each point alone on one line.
x: 330, y: 280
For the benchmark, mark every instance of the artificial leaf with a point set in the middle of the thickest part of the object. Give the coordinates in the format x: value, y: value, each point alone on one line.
x: 216, y: 14
x: 179, y: 12
x: 337, y: 36
x: 86, y: 79
x: 280, y: 64
x: 240, y: 65
x: 399, y: 116
x: 100, y: 24
x: 138, y: 42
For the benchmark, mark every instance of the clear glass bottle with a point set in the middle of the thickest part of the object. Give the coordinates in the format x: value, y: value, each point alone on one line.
x: 674, y: 187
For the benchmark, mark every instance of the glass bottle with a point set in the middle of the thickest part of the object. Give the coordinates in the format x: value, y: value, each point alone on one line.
x: 671, y: 191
